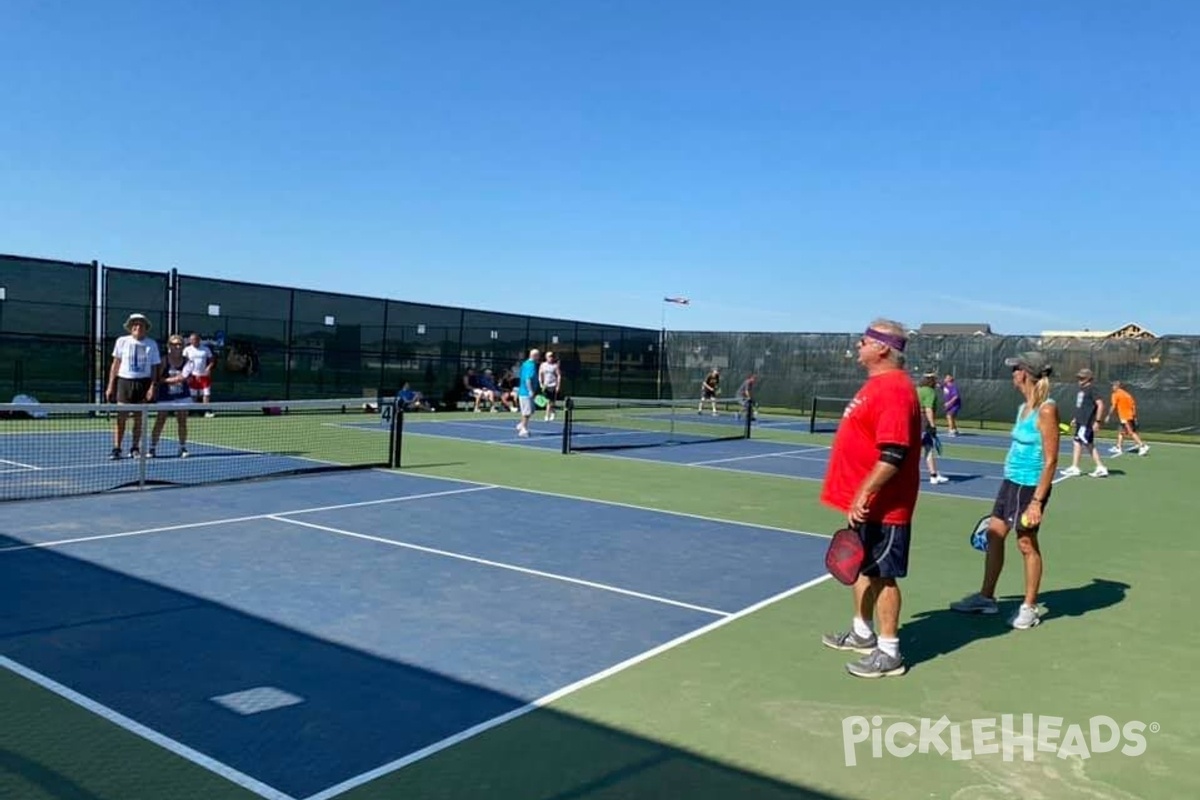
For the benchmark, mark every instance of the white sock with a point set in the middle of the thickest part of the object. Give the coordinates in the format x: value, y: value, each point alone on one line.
x: 861, y: 629
x: 890, y: 646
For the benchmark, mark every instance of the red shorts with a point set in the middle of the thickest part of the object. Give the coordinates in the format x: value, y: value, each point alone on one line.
x: 200, y: 383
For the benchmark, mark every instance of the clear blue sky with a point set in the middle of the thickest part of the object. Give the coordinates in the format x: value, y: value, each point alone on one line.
x: 788, y: 165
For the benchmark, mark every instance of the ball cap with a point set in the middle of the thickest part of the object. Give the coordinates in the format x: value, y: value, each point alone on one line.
x: 1032, y: 362
x: 137, y: 318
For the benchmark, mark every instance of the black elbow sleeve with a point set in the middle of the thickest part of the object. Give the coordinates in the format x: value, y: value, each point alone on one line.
x: 893, y: 454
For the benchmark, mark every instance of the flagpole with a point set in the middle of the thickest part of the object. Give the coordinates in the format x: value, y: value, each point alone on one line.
x: 662, y: 352
x: 662, y: 340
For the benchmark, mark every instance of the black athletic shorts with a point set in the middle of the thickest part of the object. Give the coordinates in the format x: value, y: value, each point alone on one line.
x: 886, y: 549
x: 1011, y: 500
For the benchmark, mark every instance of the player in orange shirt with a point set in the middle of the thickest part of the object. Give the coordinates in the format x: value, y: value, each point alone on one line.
x: 1127, y: 425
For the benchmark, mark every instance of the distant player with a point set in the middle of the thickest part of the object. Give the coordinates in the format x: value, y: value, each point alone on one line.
x: 709, y: 388
x: 201, y: 358
x: 526, y: 389
x: 1127, y: 425
x: 927, y: 397
x: 550, y: 379
x: 745, y: 395
x: 1084, y: 425
x: 951, y: 404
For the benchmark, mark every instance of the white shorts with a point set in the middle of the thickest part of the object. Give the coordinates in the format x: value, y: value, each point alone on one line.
x: 526, y: 403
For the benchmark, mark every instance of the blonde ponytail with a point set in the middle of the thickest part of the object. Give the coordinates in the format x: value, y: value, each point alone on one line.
x: 1041, y: 391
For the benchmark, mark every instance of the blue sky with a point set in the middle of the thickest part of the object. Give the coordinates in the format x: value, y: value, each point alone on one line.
x: 795, y: 166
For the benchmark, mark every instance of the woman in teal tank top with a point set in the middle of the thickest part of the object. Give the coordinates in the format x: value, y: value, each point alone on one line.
x: 1028, y: 476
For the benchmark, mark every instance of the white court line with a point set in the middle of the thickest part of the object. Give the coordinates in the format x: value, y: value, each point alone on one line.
x: 249, y: 518
x: 558, y: 694
x: 501, y: 565
x: 777, y: 454
x: 183, y: 751
x: 16, y: 464
x: 635, y: 507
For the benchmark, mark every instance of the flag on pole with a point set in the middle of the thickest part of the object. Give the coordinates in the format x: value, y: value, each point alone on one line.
x: 683, y: 301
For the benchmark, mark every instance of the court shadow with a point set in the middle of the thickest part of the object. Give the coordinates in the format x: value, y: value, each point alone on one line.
x: 281, y: 705
x: 939, y: 632
x: 34, y: 772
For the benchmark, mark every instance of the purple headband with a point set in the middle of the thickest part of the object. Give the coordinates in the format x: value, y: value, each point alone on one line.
x: 895, y: 342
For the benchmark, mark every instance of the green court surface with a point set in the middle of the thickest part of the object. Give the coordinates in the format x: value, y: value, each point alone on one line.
x: 755, y: 707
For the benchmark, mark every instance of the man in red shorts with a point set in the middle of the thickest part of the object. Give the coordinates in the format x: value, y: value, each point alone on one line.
x: 873, y: 478
x: 201, y: 357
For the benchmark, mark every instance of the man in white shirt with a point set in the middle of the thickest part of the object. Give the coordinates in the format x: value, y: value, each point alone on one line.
x: 132, y: 378
x: 549, y: 378
x: 201, y: 358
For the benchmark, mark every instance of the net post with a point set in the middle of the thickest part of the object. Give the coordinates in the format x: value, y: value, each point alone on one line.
x: 144, y: 415
x: 749, y: 419
x: 569, y: 405
x: 396, y: 435
x: 812, y: 416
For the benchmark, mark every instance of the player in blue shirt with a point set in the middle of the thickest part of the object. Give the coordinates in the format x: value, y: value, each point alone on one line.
x: 526, y: 389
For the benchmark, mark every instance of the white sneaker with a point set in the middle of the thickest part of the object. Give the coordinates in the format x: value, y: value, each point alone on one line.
x: 523, y: 433
x: 936, y: 479
x: 1027, y: 617
x: 1141, y: 451
x: 1098, y: 472
x: 1071, y: 472
x: 1116, y: 451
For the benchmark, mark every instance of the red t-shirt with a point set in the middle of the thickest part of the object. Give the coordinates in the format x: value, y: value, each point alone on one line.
x: 885, y: 411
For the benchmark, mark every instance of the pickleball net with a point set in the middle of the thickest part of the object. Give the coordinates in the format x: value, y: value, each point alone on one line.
x: 57, y: 450
x: 826, y: 414
x: 616, y: 424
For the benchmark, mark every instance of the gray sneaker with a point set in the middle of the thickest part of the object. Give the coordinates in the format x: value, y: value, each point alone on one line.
x: 877, y: 665
x: 975, y: 604
x: 850, y: 641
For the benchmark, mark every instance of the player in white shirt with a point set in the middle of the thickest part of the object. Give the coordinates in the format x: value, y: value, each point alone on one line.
x: 550, y: 379
x: 132, y: 378
x: 201, y: 359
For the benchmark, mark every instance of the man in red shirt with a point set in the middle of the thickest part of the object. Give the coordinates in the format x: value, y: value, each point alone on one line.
x: 873, y: 477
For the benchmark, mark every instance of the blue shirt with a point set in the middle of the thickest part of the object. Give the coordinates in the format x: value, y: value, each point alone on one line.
x: 1025, y: 460
x: 528, y: 384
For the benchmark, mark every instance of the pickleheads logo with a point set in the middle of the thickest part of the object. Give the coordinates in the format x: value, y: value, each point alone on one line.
x: 1004, y: 736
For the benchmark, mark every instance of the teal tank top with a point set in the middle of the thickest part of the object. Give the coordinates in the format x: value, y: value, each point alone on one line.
x: 1025, y: 458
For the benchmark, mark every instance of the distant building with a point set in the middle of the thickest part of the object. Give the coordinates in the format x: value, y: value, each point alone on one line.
x: 1128, y: 331
x: 955, y: 329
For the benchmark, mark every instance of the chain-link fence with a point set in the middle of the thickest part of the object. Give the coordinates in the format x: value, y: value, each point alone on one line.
x: 275, y: 342
x: 795, y: 367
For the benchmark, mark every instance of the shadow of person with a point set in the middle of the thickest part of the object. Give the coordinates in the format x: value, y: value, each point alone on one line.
x: 937, y: 632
